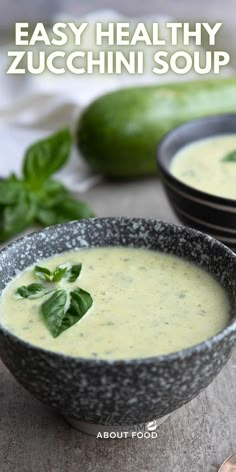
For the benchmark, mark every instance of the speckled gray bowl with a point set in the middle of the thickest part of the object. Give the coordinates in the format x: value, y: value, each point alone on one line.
x: 119, y: 391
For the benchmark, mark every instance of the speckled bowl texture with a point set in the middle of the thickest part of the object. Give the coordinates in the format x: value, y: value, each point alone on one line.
x: 119, y: 391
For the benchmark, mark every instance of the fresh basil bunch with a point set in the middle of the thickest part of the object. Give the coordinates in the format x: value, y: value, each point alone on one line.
x: 37, y: 197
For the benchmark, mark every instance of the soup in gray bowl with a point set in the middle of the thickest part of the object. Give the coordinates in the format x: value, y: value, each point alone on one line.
x: 116, y: 319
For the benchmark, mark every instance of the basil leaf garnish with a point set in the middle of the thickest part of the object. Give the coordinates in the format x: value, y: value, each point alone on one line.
x: 230, y: 157
x: 80, y: 303
x: 73, y: 273
x: 59, y: 273
x: 43, y: 273
x: 32, y: 291
x: 50, y: 276
x: 63, y: 309
x: 53, y: 311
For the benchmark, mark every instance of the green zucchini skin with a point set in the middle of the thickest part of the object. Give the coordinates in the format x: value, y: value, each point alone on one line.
x: 119, y: 132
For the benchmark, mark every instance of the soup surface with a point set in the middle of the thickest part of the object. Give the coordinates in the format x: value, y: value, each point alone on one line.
x: 208, y: 165
x: 145, y: 303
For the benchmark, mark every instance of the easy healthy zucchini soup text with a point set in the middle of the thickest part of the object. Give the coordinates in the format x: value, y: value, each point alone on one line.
x: 114, y: 303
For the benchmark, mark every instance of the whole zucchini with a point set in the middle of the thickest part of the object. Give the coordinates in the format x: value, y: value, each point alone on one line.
x: 119, y: 132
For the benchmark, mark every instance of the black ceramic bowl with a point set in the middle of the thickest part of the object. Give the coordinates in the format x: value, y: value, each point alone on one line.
x: 118, y: 391
x: 211, y: 214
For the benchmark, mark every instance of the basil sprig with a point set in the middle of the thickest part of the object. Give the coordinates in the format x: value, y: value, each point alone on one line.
x: 36, y: 197
x: 71, y: 273
x: 64, y: 307
x: 230, y: 157
x: 32, y: 291
x: 50, y: 276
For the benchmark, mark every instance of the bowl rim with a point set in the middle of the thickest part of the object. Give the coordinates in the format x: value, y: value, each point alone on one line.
x: 163, y: 358
x: 165, y: 169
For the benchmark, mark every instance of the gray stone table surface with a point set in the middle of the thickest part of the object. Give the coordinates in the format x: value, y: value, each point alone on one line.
x: 196, y: 438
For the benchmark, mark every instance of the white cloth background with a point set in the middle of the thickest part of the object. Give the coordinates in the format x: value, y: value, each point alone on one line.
x: 32, y: 106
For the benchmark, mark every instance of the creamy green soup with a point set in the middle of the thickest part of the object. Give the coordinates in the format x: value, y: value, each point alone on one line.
x: 208, y: 165
x: 145, y: 303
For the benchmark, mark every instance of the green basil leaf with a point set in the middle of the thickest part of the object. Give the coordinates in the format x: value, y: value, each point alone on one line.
x: 17, y: 217
x: 43, y: 273
x: 230, y: 157
x: 54, y: 310
x: 67, y: 209
x: 45, y: 157
x: 52, y: 193
x: 51, y: 276
x: 73, y: 273
x: 80, y: 303
x: 63, y: 309
x: 10, y: 191
x: 37, y: 198
x: 32, y: 291
x: 59, y: 273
